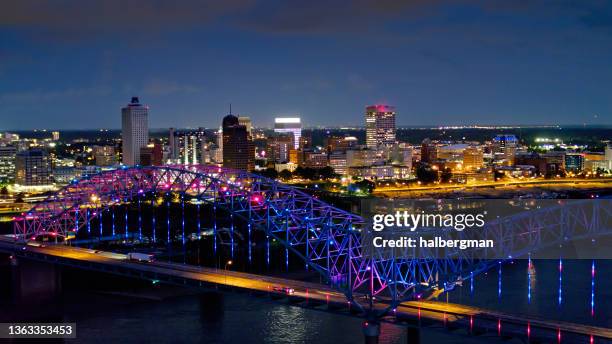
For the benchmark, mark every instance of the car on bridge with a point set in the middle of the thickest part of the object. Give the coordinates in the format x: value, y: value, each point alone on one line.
x: 286, y: 290
x: 140, y: 257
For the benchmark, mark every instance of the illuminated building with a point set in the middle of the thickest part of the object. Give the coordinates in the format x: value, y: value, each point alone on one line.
x: 315, y: 159
x: 246, y: 121
x: 238, y: 148
x: 337, y: 161
x: 134, y: 131
x: 505, y: 145
x: 289, y: 125
x: 574, y: 162
x: 473, y: 158
x: 104, y: 155
x: 55, y: 135
x: 7, y: 163
x: 152, y: 155
x: 189, y: 146
x: 172, y: 144
x: 365, y: 157
x: 33, y: 171
x: 280, y: 147
x: 380, y: 125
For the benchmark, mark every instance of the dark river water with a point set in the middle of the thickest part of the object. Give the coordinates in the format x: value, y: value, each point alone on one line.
x: 242, y: 318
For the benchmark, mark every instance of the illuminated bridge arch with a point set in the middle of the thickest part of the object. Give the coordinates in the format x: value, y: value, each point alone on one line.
x: 326, y: 238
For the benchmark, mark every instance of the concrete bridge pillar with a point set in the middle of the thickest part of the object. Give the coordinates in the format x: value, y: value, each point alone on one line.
x: 371, y: 332
x: 34, y: 282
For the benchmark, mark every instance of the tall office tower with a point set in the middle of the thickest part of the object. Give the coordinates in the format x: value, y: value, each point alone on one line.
x: 238, y: 148
x: 506, y: 144
x: 134, y: 131
x: 380, y: 125
x: 172, y: 144
x: 246, y: 121
x: 289, y: 125
x: 429, y: 151
x: 219, y: 153
x: 33, y: 169
x: 280, y: 146
x: 7, y: 163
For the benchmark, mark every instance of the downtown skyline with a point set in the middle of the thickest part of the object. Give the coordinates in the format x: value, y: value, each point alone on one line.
x: 464, y: 63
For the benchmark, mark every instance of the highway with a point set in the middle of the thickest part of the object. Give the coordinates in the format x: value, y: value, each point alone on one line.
x: 569, y: 182
x: 440, y: 313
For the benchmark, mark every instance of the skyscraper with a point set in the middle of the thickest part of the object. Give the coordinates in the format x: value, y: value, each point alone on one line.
x: 238, y: 148
x: 7, y: 163
x: 380, y: 125
x: 172, y: 144
x: 505, y: 144
x: 134, y: 130
x: 429, y: 151
x: 289, y: 125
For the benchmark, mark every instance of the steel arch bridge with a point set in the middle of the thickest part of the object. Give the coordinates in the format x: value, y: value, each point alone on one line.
x: 327, y: 239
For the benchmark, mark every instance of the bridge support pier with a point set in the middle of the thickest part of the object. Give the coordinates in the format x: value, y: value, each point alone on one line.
x: 34, y: 282
x: 371, y: 332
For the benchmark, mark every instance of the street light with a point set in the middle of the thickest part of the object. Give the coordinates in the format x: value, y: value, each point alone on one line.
x: 229, y: 262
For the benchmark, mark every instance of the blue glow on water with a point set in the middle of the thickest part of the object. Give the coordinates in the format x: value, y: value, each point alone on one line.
x: 113, y: 219
x: 168, y: 220
x: 215, y: 230
x: 139, y: 219
x: 499, y: 280
x: 593, y: 288
x: 232, y: 235
x: 183, y: 220
x: 250, y: 246
x: 153, y: 221
x: 560, y: 282
x: 126, y: 221
x: 529, y: 280
x: 76, y: 220
x: 471, y: 283
x: 101, y: 221
x: 198, y: 215
x: 268, y: 250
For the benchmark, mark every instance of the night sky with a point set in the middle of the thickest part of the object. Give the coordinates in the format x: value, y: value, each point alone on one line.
x: 74, y: 64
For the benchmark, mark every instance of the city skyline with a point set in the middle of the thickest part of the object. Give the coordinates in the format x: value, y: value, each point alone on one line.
x: 438, y: 63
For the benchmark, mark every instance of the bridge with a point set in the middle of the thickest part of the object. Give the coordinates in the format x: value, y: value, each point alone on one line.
x: 327, y: 240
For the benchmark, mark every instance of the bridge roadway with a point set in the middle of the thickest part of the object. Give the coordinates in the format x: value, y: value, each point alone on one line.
x: 474, y: 321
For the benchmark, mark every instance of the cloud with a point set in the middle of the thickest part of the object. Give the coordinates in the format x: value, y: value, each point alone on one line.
x: 319, y: 17
x: 76, y: 19
x: 315, y: 84
x: 34, y: 96
x: 159, y: 87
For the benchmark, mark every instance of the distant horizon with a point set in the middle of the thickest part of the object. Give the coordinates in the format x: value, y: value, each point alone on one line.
x: 360, y: 127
